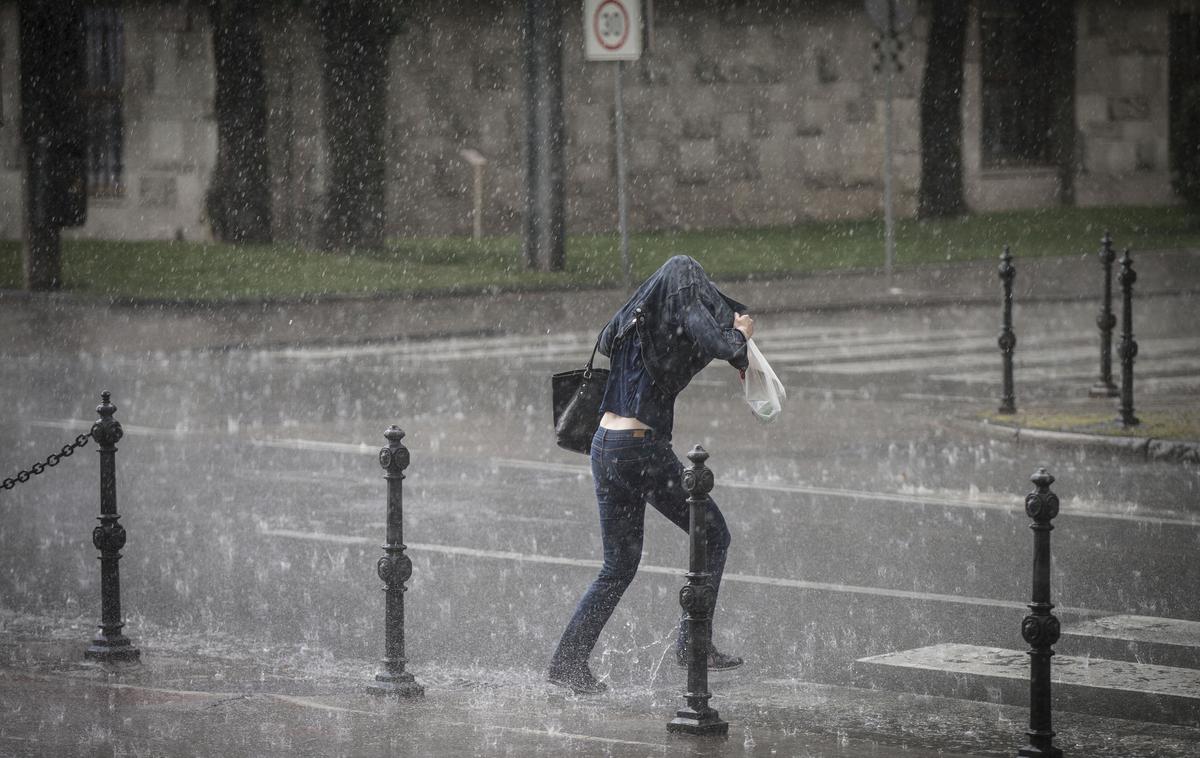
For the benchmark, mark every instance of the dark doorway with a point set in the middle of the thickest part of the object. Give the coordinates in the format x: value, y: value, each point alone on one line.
x: 1183, y: 97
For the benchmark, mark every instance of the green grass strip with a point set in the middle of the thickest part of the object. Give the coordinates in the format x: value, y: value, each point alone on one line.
x: 216, y: 272
x: 1171, y: 424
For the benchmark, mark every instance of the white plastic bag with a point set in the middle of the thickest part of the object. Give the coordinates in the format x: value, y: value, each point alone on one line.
x: 764, y: 392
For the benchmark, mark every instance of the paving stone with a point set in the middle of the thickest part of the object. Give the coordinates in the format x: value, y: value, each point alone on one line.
x: 1145, y: 639
x: 1097, y: 686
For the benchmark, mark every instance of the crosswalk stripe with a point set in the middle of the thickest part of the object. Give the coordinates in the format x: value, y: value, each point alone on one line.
x: 514, y: 345
x: 873, y: 346
x: 969, y: 360
x: 897, y: 349
x: 1145, y: 368
x: 958, y: 355
x: 426, y: 347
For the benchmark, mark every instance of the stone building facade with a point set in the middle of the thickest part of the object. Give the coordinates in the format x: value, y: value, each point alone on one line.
x: 740, y: 113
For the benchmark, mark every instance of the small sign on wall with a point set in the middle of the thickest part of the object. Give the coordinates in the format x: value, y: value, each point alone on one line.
x: 612, y: 30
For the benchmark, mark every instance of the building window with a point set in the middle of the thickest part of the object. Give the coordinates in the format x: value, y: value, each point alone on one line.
x: 102, y: 96
x: 1017, y: 106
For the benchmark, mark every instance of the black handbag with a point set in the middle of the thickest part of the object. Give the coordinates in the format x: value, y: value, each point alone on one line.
x: 576, y: 398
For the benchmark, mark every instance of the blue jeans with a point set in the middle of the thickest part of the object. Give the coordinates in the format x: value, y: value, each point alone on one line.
x: 631, y: 468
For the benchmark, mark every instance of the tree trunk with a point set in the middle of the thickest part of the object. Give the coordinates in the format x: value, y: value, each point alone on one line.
x: 356, y: 36
x: 941, y: 192
x: 239, y: 199
x: 545, y: 168
x: 52, y: 133
x: 1061, y: 41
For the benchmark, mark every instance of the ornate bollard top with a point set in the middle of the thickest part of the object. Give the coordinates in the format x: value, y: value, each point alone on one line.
x: 697, y: 479
x: 107, y: 430
x: 1107, y: 254
x: 1128, y: 275
x: 394, y: 458
x: 1041, y: 505
x: 1007, y: 269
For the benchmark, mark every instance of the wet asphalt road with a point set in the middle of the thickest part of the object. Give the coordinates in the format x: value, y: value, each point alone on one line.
x: 249, y: 484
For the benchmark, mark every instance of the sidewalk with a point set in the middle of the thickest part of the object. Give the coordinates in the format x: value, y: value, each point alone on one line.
x: 1093, y: 424
x: 179, y: 703
x: 29, y: 323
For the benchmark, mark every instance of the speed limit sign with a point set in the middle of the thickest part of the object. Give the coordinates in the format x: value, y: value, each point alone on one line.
x: 612, y: 30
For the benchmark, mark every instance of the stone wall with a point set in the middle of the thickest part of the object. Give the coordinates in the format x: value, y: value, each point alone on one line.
x: 764, y: 113
x: 1121, y: 103
x: 170, y: 136
x: 171, y: 139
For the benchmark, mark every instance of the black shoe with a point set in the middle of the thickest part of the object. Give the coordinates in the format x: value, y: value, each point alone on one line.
x: 717, y: 661
x: 579, y: 681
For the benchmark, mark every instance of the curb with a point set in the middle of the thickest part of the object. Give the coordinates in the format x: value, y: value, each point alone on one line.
x: 1145, y: 448
x: 902, y: 299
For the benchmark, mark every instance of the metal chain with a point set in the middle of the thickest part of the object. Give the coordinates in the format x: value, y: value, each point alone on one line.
x: 50, y: 462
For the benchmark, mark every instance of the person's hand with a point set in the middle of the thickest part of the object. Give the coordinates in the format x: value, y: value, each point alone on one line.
x: 743, y: 323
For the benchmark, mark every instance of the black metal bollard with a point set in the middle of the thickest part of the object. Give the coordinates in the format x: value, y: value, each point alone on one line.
x: 394, y: 568
x: 1129, y: 347
x: 698, y: 599
x: 1106, y: 321
x: 1040, y: 628
x: 109, y: 644
x: 1008, y: 340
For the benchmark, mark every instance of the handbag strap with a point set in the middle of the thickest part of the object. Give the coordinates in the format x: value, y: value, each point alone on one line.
x: 587, y: 372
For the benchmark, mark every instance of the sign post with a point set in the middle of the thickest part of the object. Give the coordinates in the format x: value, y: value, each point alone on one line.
x: 891, y: 17
x: 477, y: 162
x: 612, y: 30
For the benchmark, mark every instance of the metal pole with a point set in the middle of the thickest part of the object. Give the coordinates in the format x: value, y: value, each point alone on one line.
x: 109, y: 644
x: 622, y: 199
x: 477, y: 222
x: 1106, y: 321
x: 889, y: 64
x: 1008, y: 340
x: 698, y: 599
x: 1040, y: 628
x: 1129, y: 347
x: 394, y: 568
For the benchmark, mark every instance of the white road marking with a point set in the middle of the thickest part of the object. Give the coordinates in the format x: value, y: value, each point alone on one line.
x: 426, y: 347
x: 944, y: 398
x: 573, y: 736
x: 501, y: 345
x: 120, y: 685
x: 1015, y: 505
x: 829, y: 341
x: 317, y: 705
x: 770, y: 581
x: 1022, y: 359
x: 773, y: 343
x: 1168, y: 517
x: 935, y: 344
x: 1144, y: 366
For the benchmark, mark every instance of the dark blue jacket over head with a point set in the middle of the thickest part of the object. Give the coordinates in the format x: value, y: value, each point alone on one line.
x: 682, y: 321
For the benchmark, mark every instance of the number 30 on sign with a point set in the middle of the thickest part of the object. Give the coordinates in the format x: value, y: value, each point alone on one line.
x: 612, y: 30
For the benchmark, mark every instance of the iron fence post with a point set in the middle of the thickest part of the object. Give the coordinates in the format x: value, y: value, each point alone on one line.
x: 698, y: 599
x: 1129, y: 347
x: 109, y: 644
x: 1008, y: 340
x: 1040, y: 628
x: 1106, y: 321
x: 394, y: 568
